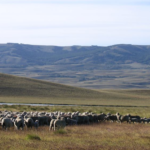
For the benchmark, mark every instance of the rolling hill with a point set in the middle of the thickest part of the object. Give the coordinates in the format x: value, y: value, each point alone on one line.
x: 26, y: 90
x: 118, y: 66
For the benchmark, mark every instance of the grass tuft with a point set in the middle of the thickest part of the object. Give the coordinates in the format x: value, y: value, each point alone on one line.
x: 60, y: 131
x: 32, y: 137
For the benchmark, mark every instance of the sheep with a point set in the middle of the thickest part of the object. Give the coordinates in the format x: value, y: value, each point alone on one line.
x: 51, y: 126
x: 124, y: 118
x: 135, y: 120
x: 7, y: 123
x: 145, y: 120
x: 36, y: 124
x: 71, y: 121
x: 19, y: 123
x: 111, y: 117
x: 29, y: 122
x: 138, y: 117
x: 121, y: 118
x: 57, y: 123
x: 101, y: 117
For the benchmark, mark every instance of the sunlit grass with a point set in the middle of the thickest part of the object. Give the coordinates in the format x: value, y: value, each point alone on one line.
x: 32, y: 137
x: 60, y: 131
x: 142, y: 111
x: 94, y: 136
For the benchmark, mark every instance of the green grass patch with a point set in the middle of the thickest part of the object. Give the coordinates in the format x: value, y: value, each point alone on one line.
x: 32, y: 137
x: 60, y: 131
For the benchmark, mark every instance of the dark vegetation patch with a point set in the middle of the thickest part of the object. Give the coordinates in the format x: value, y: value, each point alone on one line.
x: 32, y: 137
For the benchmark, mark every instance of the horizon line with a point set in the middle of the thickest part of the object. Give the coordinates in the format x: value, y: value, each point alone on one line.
x: 72, y: 45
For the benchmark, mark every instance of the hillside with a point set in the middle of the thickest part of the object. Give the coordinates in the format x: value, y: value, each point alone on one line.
x: 27, y: 90
x: 19, y: 86
x: 117, y: 66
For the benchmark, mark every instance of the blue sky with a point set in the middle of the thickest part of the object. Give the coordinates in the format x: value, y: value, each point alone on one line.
x: 75, y: 22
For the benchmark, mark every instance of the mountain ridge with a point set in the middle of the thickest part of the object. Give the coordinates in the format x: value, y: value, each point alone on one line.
x: 117, y: 66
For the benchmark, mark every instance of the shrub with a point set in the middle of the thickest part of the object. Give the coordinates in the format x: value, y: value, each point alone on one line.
x: 33, y: 108
x: 5, y: 106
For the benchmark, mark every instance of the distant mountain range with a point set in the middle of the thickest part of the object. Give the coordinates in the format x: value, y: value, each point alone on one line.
x: 117, y: 66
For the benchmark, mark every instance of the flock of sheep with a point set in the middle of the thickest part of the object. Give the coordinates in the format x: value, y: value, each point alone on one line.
x: 56, y: 120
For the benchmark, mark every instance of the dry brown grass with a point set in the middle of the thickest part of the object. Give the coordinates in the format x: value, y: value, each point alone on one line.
x: 85, y: 137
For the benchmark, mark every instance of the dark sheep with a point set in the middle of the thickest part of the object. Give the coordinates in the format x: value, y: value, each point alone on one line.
x: 29, y: 122
x: 101, y: 117
x: 36, y: 124
x: 111, y: 117
x: 71, y: 122
x: 135, y: 120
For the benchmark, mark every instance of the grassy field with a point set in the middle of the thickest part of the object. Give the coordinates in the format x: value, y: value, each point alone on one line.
x: 25, y: 90
x: 108, y: 136
x: 85, y: 137
x: 142, y: 111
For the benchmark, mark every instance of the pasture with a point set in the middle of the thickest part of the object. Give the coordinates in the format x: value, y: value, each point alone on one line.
x: 96, y: 136
x: 83, y: 137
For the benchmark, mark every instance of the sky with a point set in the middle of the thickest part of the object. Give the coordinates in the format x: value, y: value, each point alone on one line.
x: 75, y: 22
